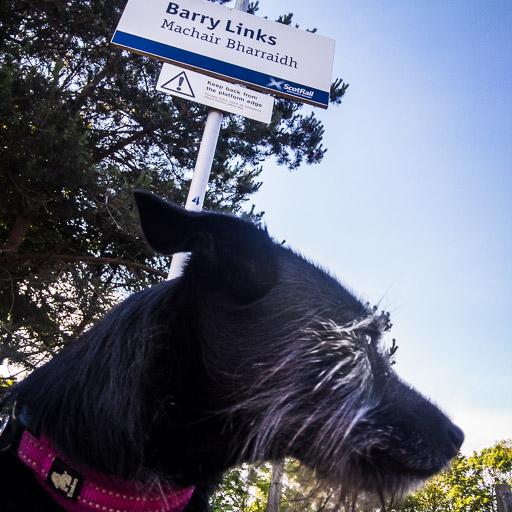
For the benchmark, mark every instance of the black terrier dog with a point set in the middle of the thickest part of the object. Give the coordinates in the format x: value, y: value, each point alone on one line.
x: 252, y: 354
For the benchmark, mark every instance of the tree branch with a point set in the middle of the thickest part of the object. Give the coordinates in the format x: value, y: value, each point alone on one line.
x: 82, y: 95
x: 17, y: 234
x: 122, y: 143
x: 91, y: 260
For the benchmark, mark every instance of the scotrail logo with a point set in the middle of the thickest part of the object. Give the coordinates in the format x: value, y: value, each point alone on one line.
x: 281, y: 85
x: 275, y: 83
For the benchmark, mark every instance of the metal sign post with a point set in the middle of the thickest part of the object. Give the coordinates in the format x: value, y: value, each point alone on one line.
x: 200, y: 178
x: 199, y: 184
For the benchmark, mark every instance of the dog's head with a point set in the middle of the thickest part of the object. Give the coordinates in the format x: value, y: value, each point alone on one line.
x: 292, y: 363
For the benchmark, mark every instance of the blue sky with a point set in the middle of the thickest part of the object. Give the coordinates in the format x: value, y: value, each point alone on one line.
x: 412, y: 205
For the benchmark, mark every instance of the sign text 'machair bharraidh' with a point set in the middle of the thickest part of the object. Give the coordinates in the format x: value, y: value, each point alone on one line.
x: 230, y: 44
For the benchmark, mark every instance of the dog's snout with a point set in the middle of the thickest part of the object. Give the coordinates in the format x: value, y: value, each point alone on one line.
x: 456, y: 437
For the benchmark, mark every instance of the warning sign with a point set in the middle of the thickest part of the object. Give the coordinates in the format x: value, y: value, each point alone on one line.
x: 215, y: 93
x: 180, y: 84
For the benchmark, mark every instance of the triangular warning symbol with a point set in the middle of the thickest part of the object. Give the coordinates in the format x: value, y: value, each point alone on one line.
x: 179, y: 84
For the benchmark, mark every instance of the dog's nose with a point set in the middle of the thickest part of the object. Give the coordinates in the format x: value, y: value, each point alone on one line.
x: 456, y: 437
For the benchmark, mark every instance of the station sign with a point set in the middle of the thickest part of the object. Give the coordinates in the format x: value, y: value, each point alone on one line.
x: 230, y: 45
x: 215, y: 93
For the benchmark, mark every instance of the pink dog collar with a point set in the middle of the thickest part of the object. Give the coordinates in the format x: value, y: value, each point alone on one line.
x: 87, y: 491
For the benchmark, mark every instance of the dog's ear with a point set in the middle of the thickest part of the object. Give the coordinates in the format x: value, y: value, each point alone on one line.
x: 168, y: 228
x: 227, y: 253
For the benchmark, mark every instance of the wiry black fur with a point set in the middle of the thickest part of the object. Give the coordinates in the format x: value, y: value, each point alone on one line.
x: 253, y: 354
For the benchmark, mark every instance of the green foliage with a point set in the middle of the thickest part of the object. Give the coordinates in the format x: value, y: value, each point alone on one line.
x: 244, y: 489
x: 6, y: 383
x: 301, y: 492
x: 81, y: 126
x: 467, y: 486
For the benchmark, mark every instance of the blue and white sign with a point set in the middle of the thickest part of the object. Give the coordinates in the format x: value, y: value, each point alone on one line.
x: 231, y: 45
